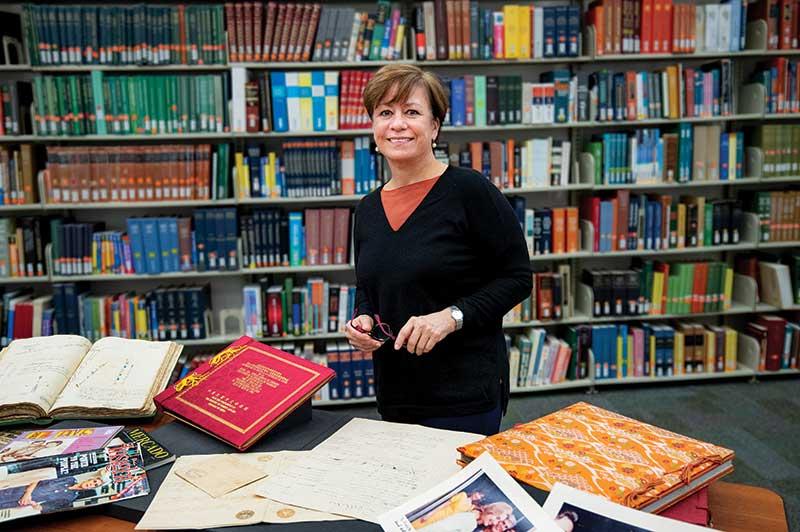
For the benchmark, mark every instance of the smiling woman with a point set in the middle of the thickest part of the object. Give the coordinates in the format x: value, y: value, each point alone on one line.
x: 440, y: 257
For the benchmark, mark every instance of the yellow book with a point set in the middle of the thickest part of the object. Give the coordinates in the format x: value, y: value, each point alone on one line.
x: 241, y: 171
x: 629, y: 367
x: 524, y: 46
x: 731, y: 156
x: 658, y: 290
x: 306, y: 113
x: 731, y: 346
x: 94, y: 256
x: 727, y: 295
x: 511, y: 31
x: 272, y: 182
x: 711, y: 351
x: 331, y: 100
x: 619, y: 356
x: 398, y: 41
x: 673, y: 80
x: 681, y: 225
x: 652, y: 356
x: 679, y: 361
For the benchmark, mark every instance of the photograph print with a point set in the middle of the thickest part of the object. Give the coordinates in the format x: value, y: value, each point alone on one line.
x: 576, y: 519
x: 476, y: 505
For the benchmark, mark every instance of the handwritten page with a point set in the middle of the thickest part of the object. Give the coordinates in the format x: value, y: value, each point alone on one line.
x: 117, y: 374
x: 180, y: 505
x: 35, y: 370
x: 367, y: 468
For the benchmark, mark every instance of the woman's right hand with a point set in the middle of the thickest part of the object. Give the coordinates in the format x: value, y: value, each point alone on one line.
x: 361, y: 341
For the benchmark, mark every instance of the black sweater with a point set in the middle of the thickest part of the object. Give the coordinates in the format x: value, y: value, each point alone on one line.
x: 462, y: 246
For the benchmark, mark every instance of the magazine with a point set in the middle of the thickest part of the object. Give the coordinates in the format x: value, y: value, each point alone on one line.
x: 481, y: 497
x: 154, y: 454
x: 69, y: 481
x: 51, y: 442
x: 575, y: 510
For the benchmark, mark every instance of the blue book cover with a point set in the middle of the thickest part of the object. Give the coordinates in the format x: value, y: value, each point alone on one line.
x: 458, y: 106
x: 623, y: 370
x: 669, y: 349
x: 199, y: 241
x: 549, y: 31
x: 573, y: 30
x: 561, y: 30
x: 218, y: 233
x: 369, y: 376
x: 137, y: 244
x: 174, y: 245
x: 739, y: 155
x: 345, y: 375
x: 736, y: 25
x: 230, y: 240
x: 318, y: 99
x: 280, y: 108
x: 357, y: 384
x: 657, y: 224
x: 332, y: 355
x: 606, y: 222
x: 152, y: 249
x: 608, y: 176
x: 724, y: 154
x: 164, y: 244
x: 295, y: 238
x: 596, y: 350
x: 649, y: 219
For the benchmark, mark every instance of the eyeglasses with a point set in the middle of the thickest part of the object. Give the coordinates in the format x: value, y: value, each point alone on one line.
x: 380, y: 332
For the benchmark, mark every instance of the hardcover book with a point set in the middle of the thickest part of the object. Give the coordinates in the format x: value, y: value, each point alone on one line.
x: 70, y: 481
x: 243, y: 392
x: 68, y: 377
x: 626, y: 461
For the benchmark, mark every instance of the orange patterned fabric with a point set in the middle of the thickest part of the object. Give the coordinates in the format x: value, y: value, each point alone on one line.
x: 594, y: 450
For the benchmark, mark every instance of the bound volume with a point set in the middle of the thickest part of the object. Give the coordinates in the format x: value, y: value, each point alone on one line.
x: 594, y: 450
x: 243, y: 392
x: 68, y: 377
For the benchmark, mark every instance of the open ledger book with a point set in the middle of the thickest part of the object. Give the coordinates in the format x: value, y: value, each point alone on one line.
x: 66, y: 376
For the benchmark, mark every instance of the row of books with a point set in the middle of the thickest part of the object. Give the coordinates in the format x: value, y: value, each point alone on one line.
x: 548, y: 230
x: 14, y: 116
x: 22, y: 247
x: 511, y: 163
x: 165, y: 313
x: 624, y: 221
x: 17, y: 173
x: 777, y: 277
x: 778, y: 215
x: 291, y: 308
x: 124, y: 35
x: 657, y: 288
x: 89, y: 174
x: 664, y: 26
x: 660, y: 350
x: 780, y: 79
x: 144, y: 104
x: 783, y: 22
x: 538, y: 359
x: 780, y: 147
x: 461, y: 29
x: 778, y: 341
x: 694, y: 153
x: 550, y: 298
x: 307, y: 169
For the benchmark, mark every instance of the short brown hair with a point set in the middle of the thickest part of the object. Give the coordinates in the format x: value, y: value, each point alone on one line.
x: 405, y: 78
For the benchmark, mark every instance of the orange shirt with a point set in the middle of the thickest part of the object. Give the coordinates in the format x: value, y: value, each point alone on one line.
x: 399, y: 203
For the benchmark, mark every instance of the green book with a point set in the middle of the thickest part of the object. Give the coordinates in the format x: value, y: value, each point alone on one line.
x: 596, y: 149
x: 708, y: 224
x: 40, y: 105
x: 99, y: 102
x: 378, y: 30
x: 480, y: 100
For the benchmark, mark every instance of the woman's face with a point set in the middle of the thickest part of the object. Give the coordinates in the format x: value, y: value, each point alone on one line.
x: 404, y: 131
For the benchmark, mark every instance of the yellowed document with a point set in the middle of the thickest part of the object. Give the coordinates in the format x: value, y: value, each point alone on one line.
x: 180, y: 505
x: 367, y: 468
x: 221, y: 474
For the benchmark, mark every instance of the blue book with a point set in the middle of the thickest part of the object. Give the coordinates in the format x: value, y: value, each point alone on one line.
x: 231, y: 258
x: 669, y: 349
x: 685, y: 152
x: 369, y: 376
x: 152, y: 249
x: 488, y: 33
x: 657, y: 224
x: 596, y: 350
x: 200, y: 258
x: 318, y: 99
x: 458, y: 105
x: 280, y: 108
x: 649, y: 219
x: 357, y: 386
x: 573, y: 30
x: 736, y: 25
x: 549, y: 31
x: 561, y: 30
x: 174, y: 245
x: 332, y: 354
x: 739, y: 155
x: 623, y: 370
x: 164, y: 244
x: 218, y: 233
x: 295, y: 238
x: 345, y: 374
x: 606, y: 221
x: 724, y: 154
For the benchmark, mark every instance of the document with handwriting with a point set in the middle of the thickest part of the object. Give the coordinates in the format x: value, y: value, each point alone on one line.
x: 367, y: 468
x: 180, y: 505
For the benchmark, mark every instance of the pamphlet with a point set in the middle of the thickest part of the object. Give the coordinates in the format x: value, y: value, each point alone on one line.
x: 51, y: 442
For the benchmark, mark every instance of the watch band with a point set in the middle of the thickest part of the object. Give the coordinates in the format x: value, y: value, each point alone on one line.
x: 457, y: 316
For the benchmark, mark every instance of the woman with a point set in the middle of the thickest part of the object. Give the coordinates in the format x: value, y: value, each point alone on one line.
x: 440, y: 258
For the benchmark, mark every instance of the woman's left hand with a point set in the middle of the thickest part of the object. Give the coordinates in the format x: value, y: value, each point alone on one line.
x: 421, y: 333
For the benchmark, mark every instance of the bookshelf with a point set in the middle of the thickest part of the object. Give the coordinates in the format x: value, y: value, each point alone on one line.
x: 227, y: 285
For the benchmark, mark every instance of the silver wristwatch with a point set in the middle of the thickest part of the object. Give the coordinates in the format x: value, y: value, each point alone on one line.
x: 457, y: 316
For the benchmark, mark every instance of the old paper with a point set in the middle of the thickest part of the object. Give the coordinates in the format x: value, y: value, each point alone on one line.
x: 180, y: 505
x: 221, y: 474
x: 367, y: 468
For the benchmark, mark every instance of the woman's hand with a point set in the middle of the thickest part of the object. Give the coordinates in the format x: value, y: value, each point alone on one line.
x: 361, y: 341
x: 421, y: 333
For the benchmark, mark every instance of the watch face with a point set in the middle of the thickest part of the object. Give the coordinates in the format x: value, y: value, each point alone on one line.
x: 457, y: 314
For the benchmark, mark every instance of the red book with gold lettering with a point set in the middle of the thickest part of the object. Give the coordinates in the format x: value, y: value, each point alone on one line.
x: 243, y: 392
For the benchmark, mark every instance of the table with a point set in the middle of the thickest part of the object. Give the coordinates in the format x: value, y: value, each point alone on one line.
x: 733, y: 507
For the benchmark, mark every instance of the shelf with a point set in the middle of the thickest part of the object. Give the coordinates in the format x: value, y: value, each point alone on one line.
x: 777, y: 180
x: 550, y: 188
x: 24, y: 280
x: 738, y: 373
x: 352, y: 198
x: 746, y: 246
x: 161, y: 204
x: 129, y: 68
x: 566, y: 385
x: 779, y: 244
x: 779, y: 372
x: 781, y: 116
x: 15, y: 68
x: 201, y: 275
x: 680, y: 56
x: 579, y: 318
x: 676, y: 186
x: 27, y: 207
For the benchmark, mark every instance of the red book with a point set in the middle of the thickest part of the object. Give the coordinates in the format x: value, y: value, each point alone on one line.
x: 693, y: 509
x: 243, y: 392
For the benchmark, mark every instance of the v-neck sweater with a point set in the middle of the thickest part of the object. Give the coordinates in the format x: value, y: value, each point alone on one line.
x: 399, y: 203
x: 463, y: 246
